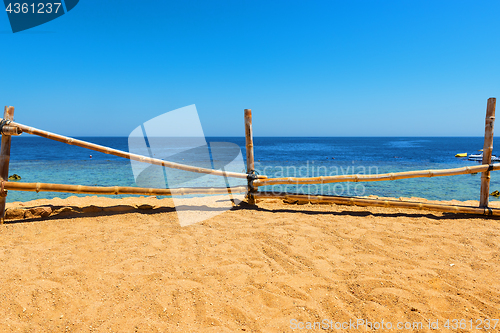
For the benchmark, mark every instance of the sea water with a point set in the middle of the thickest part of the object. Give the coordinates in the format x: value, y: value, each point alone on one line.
x: 41, y: 160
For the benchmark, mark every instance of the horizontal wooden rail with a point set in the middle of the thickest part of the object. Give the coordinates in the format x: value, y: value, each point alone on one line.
x: 380, y: 203
x: 11, y: 130
x: 119, y: 153
x: 113, y: 190
x: 374, y: 178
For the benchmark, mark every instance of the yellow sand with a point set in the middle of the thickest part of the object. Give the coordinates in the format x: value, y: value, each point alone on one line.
x: 106, y: 266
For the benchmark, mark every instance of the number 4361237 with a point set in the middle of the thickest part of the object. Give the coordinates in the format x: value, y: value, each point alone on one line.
x: 39, y: 8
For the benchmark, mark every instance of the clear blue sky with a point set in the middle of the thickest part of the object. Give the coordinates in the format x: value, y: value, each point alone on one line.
x: 305, y: 68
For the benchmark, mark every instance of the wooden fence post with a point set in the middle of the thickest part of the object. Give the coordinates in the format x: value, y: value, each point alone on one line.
x: 4, y: 161
x: 250, y: 157
x: 487, y: 151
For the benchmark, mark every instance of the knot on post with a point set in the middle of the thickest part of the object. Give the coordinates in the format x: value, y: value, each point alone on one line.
x: 252, y: 175
x: 4, y: 122
x: 3, y: 192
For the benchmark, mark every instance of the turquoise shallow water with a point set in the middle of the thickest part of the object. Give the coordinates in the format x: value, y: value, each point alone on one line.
x: 42, y: 160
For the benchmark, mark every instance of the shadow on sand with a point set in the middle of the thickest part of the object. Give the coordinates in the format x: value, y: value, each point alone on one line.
x: 71, y: 212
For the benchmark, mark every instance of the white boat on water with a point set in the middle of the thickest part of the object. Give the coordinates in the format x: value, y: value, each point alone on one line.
x: 476, y: 156
x: 479, y: 157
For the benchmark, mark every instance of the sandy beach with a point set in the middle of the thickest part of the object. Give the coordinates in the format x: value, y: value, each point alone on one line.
x: 105, y: 265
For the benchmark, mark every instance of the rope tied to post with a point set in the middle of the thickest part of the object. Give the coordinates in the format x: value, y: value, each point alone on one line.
x: 252, y: 176
x: 3, y: 192
x: 4, y: 122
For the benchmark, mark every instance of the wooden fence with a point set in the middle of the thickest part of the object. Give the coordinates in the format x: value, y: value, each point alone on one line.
x: 8, y: 128
x: 485, y: 169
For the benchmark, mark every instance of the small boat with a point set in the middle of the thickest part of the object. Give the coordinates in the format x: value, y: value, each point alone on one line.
x: 479, y: 158
x: 461, y: 155
x: 476, y: 156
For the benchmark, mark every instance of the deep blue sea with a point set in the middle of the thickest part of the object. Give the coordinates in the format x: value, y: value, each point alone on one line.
x: 42, y: 160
